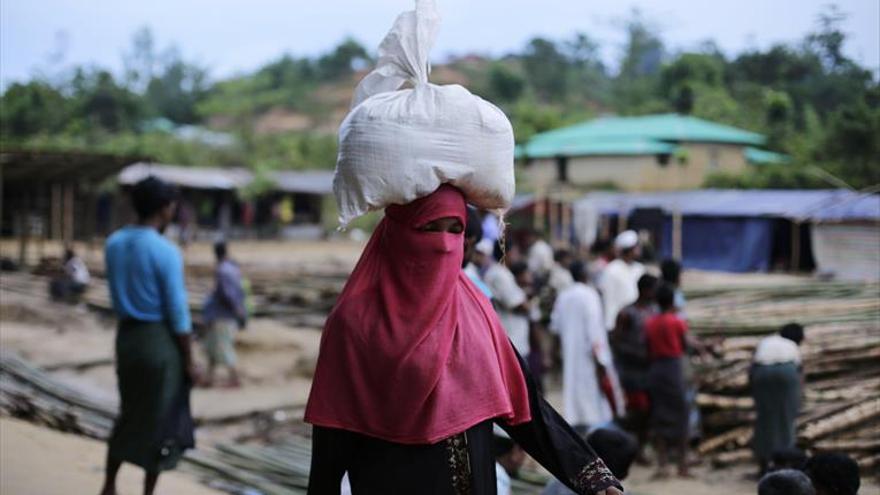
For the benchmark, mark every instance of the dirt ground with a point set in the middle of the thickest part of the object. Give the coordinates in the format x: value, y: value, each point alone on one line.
x: 41, y: 461
x: 276, y: 362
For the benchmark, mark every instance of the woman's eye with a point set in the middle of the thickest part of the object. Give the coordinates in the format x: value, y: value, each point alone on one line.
x: 451, y: 226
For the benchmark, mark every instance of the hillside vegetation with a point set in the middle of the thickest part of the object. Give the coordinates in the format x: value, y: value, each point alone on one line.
x: 814, y: 103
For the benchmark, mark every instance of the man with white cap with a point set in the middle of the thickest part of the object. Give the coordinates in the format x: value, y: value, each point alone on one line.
x: 619, y: 282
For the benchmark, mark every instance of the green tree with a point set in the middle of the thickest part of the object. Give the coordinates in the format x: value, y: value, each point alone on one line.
x: 588, y: 78
x: 32, y: 108
x: 177, y: 90
x: 102, y: 104
x: 342, y: 60
x: 635, y: 86
x: 505, y: 84
x: 546, y: 68
x: 852, y: 146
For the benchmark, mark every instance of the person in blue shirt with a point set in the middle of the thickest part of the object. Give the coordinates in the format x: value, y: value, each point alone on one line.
x: 225, y: 313
x: 154, y: 364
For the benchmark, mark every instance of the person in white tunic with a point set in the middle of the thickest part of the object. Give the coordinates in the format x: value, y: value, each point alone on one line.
x: 560, y: 275
x: 586, y: 357
x: 539, y: 255
x: 511, y: 301
x: 620, y: 279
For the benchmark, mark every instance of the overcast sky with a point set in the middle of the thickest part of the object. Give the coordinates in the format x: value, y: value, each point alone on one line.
x: 231, y: 36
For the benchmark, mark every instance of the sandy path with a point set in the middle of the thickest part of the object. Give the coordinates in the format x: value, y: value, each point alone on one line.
x: 41, y: 461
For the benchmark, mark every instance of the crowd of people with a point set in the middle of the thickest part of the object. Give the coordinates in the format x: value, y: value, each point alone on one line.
x: 622, y: 334
x: 623, y: 341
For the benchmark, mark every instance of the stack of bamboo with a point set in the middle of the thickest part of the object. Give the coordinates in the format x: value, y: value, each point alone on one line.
x: 841, y: 356
x: 31, y: 393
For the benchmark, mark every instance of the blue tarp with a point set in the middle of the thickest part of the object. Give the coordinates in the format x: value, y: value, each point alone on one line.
x: 725, y: 244
x: 801, y: 205
x: 728, y: 229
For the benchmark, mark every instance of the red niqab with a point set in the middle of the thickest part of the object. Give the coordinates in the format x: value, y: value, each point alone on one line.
x: 413, y: 352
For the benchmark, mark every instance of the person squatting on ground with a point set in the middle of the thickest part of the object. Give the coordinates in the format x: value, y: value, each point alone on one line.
x: 154, y: 364
x: 833, y: 473
x: 786, y: 482
x: 617, y: 448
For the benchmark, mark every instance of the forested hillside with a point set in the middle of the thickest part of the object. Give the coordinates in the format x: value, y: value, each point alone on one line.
x: 813, y: 102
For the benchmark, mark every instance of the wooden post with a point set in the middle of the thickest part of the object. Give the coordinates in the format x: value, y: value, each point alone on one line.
x: 538, y: 220
x: 553, y: 206
x: 677, y: 235
x: 68, y: 213
x: 622, y: 221
x: 23, y: 229
x: 795, y: 246
x: 604, y: 227
x: 41, y: 208
x: 55, y: 228
x: 566, y: 224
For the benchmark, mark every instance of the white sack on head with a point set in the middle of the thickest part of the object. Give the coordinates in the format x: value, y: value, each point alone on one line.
x: 397, y: 145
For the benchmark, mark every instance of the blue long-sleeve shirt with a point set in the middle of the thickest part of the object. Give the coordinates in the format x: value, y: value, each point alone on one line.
x: 228, y: 299
x: 145, y: 274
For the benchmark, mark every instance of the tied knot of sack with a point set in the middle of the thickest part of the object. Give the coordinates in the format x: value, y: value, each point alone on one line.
x: 397, y: 145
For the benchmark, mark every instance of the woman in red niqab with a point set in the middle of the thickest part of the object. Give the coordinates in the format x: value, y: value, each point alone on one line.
x: 414, y: 368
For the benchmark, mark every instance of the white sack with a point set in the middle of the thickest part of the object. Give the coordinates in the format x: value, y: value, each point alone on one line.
x: 397, y: 145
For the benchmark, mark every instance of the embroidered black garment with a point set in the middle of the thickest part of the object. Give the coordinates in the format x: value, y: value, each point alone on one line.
x: 460, y: 465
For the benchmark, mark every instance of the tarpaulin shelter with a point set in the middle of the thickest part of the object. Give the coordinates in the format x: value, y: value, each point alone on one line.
x: 731, y: 230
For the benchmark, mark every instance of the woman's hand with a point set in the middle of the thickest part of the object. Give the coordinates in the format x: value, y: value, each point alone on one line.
x: 610, y: 491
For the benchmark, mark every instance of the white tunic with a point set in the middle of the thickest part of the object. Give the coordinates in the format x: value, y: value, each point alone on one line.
x: 777, y: 349
x: 577, y: 318
x: 620, y: 288
x: 509, y: 295
x: 540, y: 258
x: 560, y: 278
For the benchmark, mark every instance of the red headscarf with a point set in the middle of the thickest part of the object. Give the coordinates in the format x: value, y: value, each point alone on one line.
x: 413, y: 352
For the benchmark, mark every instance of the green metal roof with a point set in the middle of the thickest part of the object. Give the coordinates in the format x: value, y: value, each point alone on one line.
x: 552, y: 148
x: 649, y: 134
x: 757, y: 156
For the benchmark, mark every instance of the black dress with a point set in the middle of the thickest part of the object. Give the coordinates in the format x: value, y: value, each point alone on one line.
x: 460, y: 465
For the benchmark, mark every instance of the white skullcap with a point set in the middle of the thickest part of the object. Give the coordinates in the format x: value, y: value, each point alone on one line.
x: 486, y: 247
x: 626, y: 240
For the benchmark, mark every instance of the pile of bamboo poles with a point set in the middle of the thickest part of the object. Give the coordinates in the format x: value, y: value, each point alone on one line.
x: 30, y: 393
x: 841, y: 357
